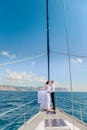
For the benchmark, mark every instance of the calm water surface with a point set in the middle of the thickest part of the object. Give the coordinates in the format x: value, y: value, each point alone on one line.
x: 13, y: 120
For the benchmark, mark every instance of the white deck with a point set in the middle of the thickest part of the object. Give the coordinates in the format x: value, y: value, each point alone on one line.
x: 37, y: 122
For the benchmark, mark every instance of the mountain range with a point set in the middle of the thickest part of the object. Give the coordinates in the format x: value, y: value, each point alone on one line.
x: 30, y: 88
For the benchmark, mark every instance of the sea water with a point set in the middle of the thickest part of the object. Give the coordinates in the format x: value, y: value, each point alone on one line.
x: 12, y: 99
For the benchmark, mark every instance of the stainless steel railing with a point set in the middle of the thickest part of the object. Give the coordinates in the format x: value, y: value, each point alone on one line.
x: 61, y: 102
x: 78, y: 109
x: 24, y: 115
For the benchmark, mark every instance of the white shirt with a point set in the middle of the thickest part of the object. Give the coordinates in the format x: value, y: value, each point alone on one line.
x: 52, y: 88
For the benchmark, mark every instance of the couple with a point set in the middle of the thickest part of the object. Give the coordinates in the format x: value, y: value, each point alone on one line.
x: 50, y: 90
x: 46, y: 95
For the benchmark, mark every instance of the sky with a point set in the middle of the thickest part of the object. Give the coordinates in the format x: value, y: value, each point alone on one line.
x: 23, y: 35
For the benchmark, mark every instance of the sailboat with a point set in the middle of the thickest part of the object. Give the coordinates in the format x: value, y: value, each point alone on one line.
x: 60, y: 120
x: 41, y: 120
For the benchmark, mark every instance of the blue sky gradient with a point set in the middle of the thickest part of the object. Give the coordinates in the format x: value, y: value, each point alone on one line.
x: 23, y: 34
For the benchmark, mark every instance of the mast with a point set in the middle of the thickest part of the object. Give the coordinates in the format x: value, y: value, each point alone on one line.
x: 48, y: 47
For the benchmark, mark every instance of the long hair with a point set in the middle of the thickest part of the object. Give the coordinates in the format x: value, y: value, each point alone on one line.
x: 47, y: 82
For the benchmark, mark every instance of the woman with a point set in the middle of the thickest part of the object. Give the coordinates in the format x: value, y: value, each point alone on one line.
x: 44, y: 97
x: 48, y: 96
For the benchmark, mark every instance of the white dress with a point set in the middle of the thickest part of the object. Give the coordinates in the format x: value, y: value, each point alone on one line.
x: 44, y: 98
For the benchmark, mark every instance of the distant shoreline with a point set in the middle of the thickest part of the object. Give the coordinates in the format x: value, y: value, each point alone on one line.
x: 30, y: 88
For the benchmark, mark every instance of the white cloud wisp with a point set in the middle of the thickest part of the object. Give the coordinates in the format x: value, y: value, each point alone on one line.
x: 6, y: 54
x: 78, y: 60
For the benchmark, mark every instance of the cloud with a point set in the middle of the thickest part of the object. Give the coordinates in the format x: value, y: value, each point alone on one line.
x: 40, y: 79
x: 59, y: 85
x: 0, y: 82
x: 33, y: 63
x: 11, y: 75
x: 6, y: 54
x: 0, y: 79
x: 78, y: 60
x: 13, y: 56
x: 28, y: 77
x: 23, y: 76
x: 16, y: 76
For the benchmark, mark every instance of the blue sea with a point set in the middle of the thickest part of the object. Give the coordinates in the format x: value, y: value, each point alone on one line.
x: 14, y: 119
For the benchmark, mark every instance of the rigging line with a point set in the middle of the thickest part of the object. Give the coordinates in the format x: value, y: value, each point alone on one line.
x: 75, y: 101
x: 61, y: 53
x: 70, y: 73
x: 17, y: 107
x: 21, y: 60
x: 26, y: 112
x: 15, y: 120
x: 12, y: 122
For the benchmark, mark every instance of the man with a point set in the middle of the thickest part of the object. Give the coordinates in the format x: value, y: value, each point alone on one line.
x: 52, y: 94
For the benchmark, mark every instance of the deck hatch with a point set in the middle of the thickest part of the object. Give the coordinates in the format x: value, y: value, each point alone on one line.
x: 55, y: 123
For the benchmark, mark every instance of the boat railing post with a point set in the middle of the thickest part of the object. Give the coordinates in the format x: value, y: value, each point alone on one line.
x: 24, y: 114
x: 81, y: 112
